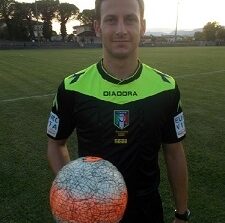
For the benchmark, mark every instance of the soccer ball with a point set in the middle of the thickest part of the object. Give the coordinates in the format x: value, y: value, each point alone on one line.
x: 88, y: 190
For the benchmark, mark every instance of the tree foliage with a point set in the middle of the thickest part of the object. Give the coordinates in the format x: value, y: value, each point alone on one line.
x: 87, y: 17
x: 220, y: 34
x: 65, y: 12
x: 199, y: 36
x: 23, y: 21
x: 212, y: 31
x: 47, y: 11
x: 20, y: 18
x: 7, y: 8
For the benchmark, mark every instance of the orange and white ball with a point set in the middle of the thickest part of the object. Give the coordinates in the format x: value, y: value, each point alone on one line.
x: 88, y: 190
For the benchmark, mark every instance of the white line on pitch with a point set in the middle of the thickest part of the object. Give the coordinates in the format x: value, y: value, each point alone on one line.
x: 204, y: 73
x: 25, y: 98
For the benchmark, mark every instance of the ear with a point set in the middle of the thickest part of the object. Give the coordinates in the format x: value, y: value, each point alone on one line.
x: 143, y: 27
x: 97, y: 27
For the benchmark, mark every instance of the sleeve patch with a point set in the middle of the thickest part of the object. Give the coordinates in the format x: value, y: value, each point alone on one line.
x: 53, y: 125
x: 179, y: 125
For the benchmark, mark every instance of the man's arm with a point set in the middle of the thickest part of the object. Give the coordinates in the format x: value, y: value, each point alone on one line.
x: 177, y: 174
x: 58, y: 155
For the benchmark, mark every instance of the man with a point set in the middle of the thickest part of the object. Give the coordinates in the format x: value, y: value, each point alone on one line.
x: 123, y: 111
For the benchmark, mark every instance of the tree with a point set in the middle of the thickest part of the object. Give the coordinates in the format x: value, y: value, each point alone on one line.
x: 210, y: 30
x: 29, y: 12
x: 71, y: 38
x: 3, y: 32
x: 7, y: 8
x: 199, y: 36
x: 220, y: 35
x: 47, y: 10
x: 65, y: 12
x: 18, y: 22
x: 22, y: 20
x: 87, y: 17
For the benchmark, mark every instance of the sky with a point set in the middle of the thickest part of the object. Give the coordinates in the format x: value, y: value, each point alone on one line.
x: 162, y: 14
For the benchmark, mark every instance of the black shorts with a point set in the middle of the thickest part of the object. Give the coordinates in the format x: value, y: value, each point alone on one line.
x: 147, y: 209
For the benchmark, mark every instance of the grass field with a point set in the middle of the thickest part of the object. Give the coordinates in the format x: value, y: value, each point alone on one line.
x: 28, y: 80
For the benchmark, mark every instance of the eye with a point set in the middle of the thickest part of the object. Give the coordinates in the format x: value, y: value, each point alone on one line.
x: 131, y: 19
x: 110, y: 20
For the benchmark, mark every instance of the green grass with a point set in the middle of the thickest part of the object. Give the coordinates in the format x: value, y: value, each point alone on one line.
x: 25, y: 177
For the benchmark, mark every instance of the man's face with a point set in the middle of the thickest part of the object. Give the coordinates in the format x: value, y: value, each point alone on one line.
x: 120, y: 27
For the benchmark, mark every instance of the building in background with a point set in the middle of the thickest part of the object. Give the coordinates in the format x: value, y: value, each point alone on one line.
x: 85, y: 36
x: 38, y: 31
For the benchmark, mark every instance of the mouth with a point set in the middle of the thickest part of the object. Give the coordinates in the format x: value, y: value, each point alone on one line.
x: 121, y: 41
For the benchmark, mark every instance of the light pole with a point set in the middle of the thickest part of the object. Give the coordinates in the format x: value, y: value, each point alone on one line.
x: 36, y: 12
x: 175, y: 36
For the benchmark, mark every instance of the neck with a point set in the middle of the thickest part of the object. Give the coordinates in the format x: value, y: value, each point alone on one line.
x: 120, y: 68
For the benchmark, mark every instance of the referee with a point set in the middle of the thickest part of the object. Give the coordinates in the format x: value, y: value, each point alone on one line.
x: 124, y: 111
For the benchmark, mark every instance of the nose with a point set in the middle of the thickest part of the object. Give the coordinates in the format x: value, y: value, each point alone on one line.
x: 121, y: 28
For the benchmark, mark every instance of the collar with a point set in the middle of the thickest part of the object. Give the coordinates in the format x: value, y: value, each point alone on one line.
x: 105, y: 75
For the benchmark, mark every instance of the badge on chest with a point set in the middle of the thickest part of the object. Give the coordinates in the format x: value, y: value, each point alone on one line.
x: 121, y: 121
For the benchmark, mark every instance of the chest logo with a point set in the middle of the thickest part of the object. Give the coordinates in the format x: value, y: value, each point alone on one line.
x: 121, y: 118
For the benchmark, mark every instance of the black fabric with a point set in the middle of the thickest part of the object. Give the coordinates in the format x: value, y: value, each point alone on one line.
x: 144, y: 209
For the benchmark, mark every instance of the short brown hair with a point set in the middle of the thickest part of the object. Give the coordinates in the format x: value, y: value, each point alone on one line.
x: 98, y: 4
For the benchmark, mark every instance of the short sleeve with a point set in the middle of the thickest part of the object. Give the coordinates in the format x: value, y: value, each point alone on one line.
x: 174, y: 130
x: 61, y: 122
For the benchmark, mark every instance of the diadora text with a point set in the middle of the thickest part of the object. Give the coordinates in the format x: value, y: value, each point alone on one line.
x: 119, y: 93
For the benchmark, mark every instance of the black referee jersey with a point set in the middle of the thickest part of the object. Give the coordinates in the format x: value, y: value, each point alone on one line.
x: 124, y: 122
